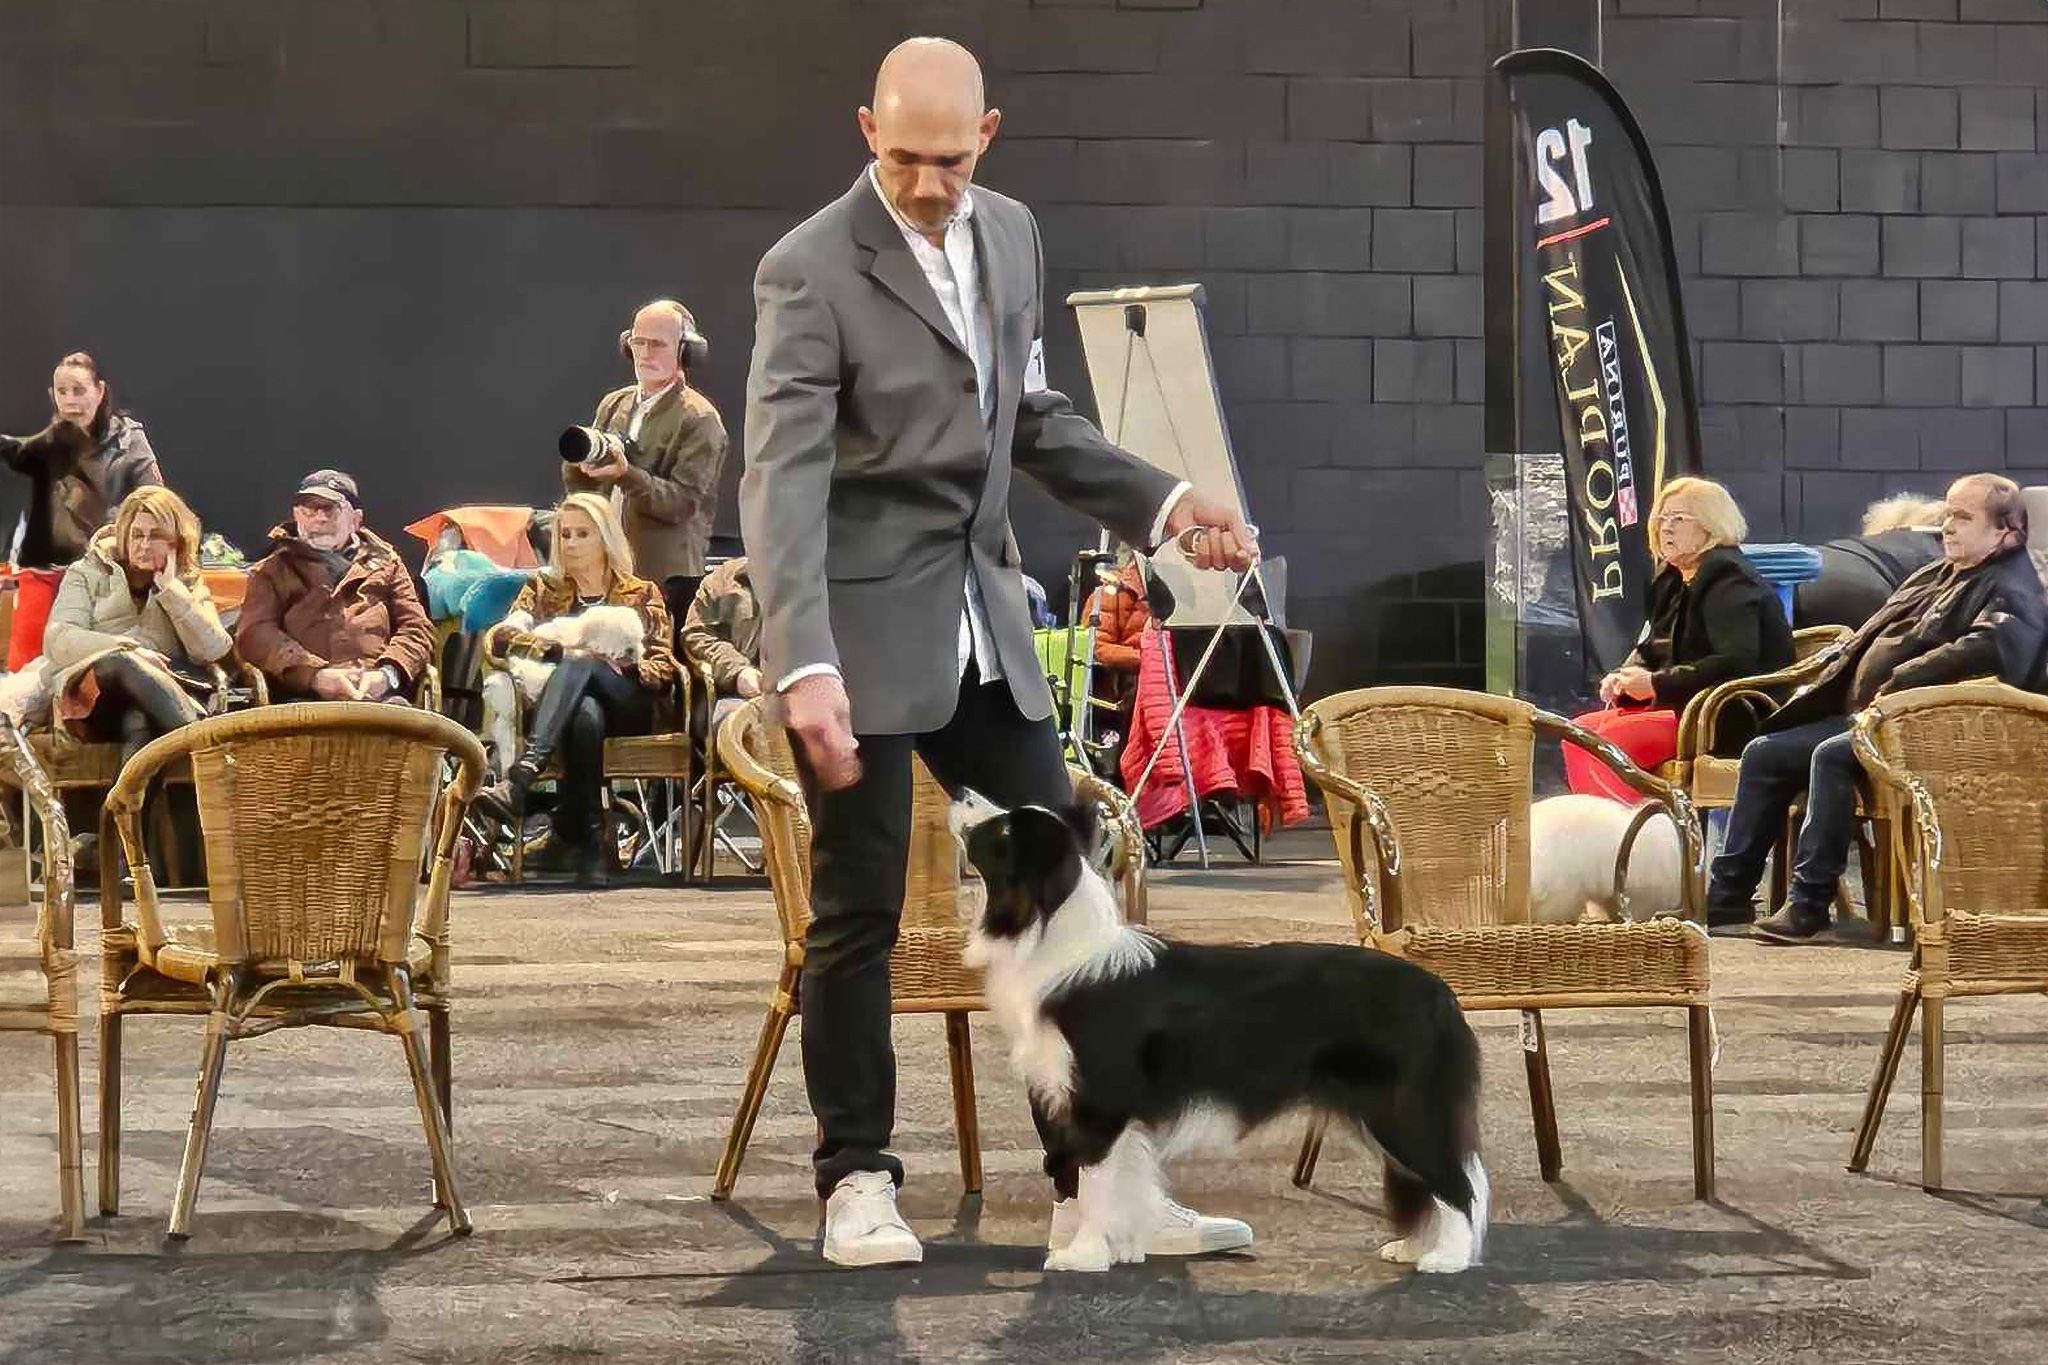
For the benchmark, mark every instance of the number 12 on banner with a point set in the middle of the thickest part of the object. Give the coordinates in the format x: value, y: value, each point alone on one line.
x: 1550, y: 149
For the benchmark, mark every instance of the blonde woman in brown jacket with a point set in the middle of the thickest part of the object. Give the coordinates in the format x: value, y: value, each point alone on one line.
x: 587, y: 698
x: 133, y: 628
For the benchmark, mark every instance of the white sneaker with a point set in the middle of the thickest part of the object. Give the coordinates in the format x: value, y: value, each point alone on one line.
x: 862, y: 1226
x: 1180, y: 1232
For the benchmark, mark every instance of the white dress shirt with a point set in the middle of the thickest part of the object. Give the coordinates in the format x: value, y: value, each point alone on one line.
x: 643, y: 403
x: 954, y: 273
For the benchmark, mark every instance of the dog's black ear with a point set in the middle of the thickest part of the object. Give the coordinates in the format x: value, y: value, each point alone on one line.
x: 1082, y: 818
x: 1042, y: 836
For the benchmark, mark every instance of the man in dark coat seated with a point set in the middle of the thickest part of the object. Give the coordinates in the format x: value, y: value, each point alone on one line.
x: 1978, y: 611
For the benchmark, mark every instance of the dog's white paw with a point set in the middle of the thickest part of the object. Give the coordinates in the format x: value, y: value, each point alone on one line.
x: 1401, y: 1251
x: 1089, y: 1255
x: 1444, y: 1262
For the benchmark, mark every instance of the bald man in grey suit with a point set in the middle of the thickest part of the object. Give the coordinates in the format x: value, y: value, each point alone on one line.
x: 897, y: 383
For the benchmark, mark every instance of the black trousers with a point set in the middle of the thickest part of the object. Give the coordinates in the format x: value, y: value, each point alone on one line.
x: 860, y: 849
x: 139, y: 701
x: 1815, y: 758
x: 585, y: 701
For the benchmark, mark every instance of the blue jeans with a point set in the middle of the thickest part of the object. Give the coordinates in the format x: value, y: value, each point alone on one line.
x: 1814, y: 758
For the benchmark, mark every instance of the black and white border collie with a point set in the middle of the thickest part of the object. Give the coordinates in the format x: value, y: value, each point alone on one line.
x: 1138, y: 1049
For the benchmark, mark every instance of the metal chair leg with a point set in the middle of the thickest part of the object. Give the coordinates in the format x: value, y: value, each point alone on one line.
x: 212, y: 1059
x: 441, y: 1056
x: 1881, y: 1083
x: 1311, y: 1149
x: 1699, y: 1028
x: 70, y: 1153
x: 110, y: 1111
x: 439, y: 1145
x: 1930, y: 1092
x: 966, y: 1120
x: 1542, y: 1104
x: 742, y: 1132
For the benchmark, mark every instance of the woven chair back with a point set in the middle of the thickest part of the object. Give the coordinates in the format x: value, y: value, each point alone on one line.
x: 314, y: 818
x: 1454, y: 769
x: 1980, y: 751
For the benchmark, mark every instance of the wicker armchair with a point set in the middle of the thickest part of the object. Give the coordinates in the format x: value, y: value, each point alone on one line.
x: 1429, y: 792
x: 72, y: 763
x: 1958, y: 768
x: 39, y: 973
x: 1709, y: 778
x: 926, y: 975
x: 318, y: 913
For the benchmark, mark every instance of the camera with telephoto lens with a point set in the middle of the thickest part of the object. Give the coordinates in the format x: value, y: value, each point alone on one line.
x: 579, y: 445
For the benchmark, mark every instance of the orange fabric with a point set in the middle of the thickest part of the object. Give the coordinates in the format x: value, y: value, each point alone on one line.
x: 1124, y: 615
x: 498, y: 533
x: 76, y: 703
x: 1650, y: 737
x: 35, y: 590
x: 1247, y: 752
x: 228, y: 586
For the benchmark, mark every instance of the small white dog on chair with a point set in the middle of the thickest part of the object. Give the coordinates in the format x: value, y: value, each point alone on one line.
x: 1573, y: 841
x: 612, y: 632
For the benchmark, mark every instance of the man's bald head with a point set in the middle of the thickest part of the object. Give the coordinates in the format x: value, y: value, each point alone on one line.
x: 935, y: 72
x: 928, y: 128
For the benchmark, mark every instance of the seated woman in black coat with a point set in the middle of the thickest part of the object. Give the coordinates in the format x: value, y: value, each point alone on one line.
x: 1712, y: 618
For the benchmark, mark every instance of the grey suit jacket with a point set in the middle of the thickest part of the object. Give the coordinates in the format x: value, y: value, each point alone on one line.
x: 871, y: 484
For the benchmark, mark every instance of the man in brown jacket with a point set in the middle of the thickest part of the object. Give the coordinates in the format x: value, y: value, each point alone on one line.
x: 666, y: 489
x: 331, y: 613
x: 723, y: 633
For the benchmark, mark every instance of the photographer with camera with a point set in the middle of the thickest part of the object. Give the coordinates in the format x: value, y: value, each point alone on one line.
x: 655, y: 450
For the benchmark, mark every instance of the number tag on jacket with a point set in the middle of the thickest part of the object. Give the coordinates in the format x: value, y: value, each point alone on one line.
x: 1034, y: 369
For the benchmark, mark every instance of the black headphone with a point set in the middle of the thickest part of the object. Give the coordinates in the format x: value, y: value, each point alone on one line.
x: 692, y: 350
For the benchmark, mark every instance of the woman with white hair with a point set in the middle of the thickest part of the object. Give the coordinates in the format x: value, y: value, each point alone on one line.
x: 1712, y: 617
x: 588, y: 698
x: 1859, y: 573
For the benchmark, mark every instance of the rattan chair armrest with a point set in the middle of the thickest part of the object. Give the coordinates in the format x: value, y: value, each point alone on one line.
x: 56, y: 925
x: 704, y: 687
x: 258, y: 685
x: 1689, y: 725
x: 759, y: 782
x: 1127, y: 863
x: 1703, y: 714
x: 432, y: 927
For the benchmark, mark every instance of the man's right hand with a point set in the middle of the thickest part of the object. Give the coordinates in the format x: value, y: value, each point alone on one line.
x: 818, y: 714
x: 335, y: 684
x: 749, y: 682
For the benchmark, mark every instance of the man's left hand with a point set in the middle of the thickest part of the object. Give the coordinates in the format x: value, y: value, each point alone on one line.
x: 606, y: 470
x: 1220, y: 538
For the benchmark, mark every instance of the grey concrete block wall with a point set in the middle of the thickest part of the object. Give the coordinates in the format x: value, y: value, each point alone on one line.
x: 398, y: 235
x: 1912, y: 175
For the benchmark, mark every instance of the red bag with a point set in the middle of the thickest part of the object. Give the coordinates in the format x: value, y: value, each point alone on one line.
x: 35, y: 590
